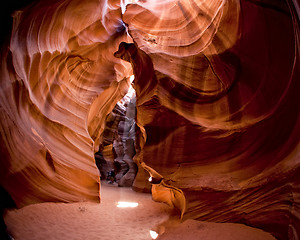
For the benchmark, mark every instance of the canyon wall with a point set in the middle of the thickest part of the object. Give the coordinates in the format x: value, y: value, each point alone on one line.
x: 217, y: 103
x: 58, y: 83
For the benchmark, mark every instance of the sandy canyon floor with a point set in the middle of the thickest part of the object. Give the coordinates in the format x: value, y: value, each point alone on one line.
x: 107, y: 221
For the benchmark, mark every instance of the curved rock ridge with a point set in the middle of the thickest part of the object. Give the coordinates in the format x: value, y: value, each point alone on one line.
x: 217, y: 104
x: 207, y: 79
x: 59, y: 80
x: 182, y: 28
x: 222, y: 121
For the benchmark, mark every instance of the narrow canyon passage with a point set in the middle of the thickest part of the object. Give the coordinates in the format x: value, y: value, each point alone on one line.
x: 106, y: 221
x: 215, y: 121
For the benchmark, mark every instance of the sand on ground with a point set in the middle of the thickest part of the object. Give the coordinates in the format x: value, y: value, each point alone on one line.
x: 106, y: 221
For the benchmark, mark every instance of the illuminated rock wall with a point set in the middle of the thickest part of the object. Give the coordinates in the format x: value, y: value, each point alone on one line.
x: 222, y: 112
x: 58, y: 83
x: 217, y: 103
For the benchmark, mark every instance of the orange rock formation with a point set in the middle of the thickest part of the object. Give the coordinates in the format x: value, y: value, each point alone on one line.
x: 217, y: 84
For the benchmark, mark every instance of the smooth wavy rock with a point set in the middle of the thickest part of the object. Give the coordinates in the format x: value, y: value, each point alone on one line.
x: 221, y: 112
x: 217, y: 86
x: 59, y: 80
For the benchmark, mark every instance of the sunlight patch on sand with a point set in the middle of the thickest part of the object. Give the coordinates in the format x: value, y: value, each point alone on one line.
x: 153, y: 234
x: 127, y: 204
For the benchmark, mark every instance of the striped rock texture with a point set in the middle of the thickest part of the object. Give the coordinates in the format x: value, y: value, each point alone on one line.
x: 59, y: 80
x: 217, y: 86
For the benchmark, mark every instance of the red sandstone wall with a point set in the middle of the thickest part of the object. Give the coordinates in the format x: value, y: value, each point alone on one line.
x: 217, y: 103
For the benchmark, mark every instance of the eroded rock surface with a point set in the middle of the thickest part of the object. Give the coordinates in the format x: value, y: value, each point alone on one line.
x: 217, y: 103
x: 58, y: 83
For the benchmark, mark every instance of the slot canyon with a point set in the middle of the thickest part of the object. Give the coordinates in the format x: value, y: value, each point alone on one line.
x: 214, y: 124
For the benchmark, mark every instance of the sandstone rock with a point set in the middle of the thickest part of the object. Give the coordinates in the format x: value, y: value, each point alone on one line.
x: 217, y: 107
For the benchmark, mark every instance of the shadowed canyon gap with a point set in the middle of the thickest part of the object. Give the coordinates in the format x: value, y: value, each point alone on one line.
x: 217, y: 86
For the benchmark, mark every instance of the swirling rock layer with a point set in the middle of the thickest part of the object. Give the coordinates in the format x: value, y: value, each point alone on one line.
x: 58, y: 83
x: 217, y: 102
